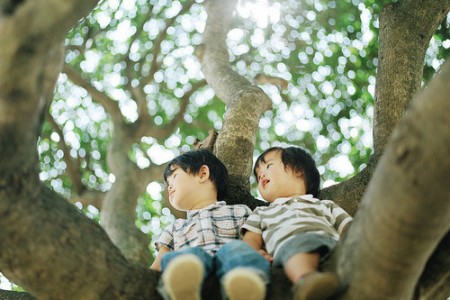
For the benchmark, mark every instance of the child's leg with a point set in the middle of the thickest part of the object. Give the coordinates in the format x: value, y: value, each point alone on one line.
x: 301, y: 269
x: 183, y: 273
x: 243, y: 272
x: 300, y: 257
x: 243, y: 284
x: 202, y: 255
x: 182, y: 279
x: 238, y: 254
x: 301, y: 264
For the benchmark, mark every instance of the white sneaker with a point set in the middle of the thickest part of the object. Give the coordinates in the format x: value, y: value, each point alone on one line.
x: 183, y: 278
x: 244, y: 284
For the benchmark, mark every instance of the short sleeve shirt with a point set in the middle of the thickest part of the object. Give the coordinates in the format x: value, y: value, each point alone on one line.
x: 285, y: 217
x: 209, y: 227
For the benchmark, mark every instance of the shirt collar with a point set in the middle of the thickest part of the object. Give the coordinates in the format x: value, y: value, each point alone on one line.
x: 212, y: 206
x: 283, y: 200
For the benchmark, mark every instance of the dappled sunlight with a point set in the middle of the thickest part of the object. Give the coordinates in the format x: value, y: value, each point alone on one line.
x: 325, y: 51
x: 260, y: 11
x: 319, y: 64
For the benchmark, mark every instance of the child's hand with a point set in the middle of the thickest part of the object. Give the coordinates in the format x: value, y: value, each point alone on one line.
x: 266, y: 255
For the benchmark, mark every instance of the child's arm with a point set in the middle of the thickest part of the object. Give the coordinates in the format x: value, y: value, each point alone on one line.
x: 255, y: 241
x: 342, y: 219
x: 156, y: 265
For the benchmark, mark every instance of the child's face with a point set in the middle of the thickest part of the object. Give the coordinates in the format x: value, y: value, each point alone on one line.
x: 276, y: 181
x: 182, y: 188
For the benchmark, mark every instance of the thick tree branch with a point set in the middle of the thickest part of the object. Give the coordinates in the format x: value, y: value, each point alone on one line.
x: 27, y: 24
x: 35, y: 253
x: 348, y: 194
x: 119, y: 215
x: 213, y: 55
x: 10, y: 295
x: 403, y: 42
x: 246, y: 102
x: 406, y: 28
x: 406, y: 208
x: 435, y: 280
x: 27, y: 40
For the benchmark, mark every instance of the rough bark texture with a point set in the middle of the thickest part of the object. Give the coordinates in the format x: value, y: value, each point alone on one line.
x: 246, y: 102
x: 435, y: 280
x: 44, y: 239
x: 10, y: 295
x: 406, y: 28
x: 405, y: 31
x: 405, y: 212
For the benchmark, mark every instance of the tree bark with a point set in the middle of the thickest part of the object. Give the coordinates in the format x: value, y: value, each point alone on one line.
x: 406, y: 28
x: 246, y: 102
x: 51, y: 242
x: 44, y: 239
x: 348, y: 194
x: 10, y: 295
x: 405, y: 212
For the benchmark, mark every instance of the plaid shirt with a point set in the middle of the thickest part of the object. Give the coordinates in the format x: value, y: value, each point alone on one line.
x: 209, y: 227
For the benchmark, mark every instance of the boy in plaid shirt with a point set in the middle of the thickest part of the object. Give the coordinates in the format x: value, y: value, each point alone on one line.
x: 206, y: 241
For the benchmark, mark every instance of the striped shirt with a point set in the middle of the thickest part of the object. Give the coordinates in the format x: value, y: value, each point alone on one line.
x: 209, y: 227
x: 286, y: 217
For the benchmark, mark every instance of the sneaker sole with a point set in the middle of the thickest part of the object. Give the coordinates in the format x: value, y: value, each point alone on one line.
x: 183, y: 278
x: 243, y: 284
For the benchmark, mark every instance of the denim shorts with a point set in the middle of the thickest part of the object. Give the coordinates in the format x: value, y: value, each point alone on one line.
x: 232, y: 255
x: 304, y: 243
x: 235, y: 254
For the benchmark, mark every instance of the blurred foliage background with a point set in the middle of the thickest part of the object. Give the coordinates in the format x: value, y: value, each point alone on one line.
x: 325, y: 50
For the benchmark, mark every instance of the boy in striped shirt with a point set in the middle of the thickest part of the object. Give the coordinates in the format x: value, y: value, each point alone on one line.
x: 296, y: 231
x: 207, y: 241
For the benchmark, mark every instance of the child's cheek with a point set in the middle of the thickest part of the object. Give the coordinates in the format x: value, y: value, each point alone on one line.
x: 259, y: 186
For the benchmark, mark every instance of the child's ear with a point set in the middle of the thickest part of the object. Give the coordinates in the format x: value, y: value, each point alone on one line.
x: 301, y: 176
x: 203, y: 173
x: 299, y: 173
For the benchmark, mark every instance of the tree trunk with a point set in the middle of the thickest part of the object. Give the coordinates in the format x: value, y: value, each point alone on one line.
x: 405, y: 212
x: 47, y: 245
x: 406, y: 28
x: 246, y: 102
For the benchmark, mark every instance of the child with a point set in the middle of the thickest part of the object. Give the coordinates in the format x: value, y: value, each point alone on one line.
x: 296, y: 229
x: 208, y: 240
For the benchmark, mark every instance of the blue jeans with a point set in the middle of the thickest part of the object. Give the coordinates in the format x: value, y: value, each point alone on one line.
x: 304, y: 243
x: 235, y: 254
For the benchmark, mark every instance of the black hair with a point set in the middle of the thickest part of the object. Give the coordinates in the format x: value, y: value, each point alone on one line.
x: 300, y: 161
x: 192, y: 161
